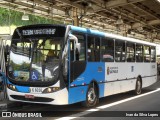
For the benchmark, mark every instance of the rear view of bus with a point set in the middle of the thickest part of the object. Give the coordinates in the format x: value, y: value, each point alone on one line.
x: 35, y: 64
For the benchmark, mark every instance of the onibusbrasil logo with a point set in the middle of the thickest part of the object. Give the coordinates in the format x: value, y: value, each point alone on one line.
x: 20, y: 114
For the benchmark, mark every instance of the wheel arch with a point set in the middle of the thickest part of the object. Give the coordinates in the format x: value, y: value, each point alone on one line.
x: 96, y: 85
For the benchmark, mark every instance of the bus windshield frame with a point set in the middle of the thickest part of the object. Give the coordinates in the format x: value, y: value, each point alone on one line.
x: 35, y: 55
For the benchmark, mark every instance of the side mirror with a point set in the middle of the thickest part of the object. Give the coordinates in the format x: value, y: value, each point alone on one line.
x: 78, y: 47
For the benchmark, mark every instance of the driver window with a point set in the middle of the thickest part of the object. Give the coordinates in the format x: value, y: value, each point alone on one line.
x: 81, y: 56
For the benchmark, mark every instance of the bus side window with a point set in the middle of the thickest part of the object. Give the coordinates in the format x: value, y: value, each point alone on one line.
x: 120, y: 51
x: 93, y: 52
x: 147, y: 53
x: 90, y: 51
x: 97, y: 49
x: 139, y: 53
x: 153, y: 54
x: 82, y: 40
x: 130, y: 47
x: 107, y: 50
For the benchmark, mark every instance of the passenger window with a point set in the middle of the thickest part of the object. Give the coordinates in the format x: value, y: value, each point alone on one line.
x: 107, y: 50
x: 139, y: 53
x: 130, y: 47
x: 120, y: 51
x: 153, y: 54
x: 93, y: 52
x: 147, y: 54
x: 90, y: 51
x: 97, y: 49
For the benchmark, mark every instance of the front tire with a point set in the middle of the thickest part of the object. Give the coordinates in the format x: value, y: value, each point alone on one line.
x: 91, y: 96
x: 138, y: 89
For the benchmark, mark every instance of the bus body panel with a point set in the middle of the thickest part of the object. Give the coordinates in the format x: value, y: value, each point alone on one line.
x: 59, y: 98
x: 77, y: 94
x: 88, y: 31
x: 121, y: 77
x: 95, y: 71
x: 147, y: 81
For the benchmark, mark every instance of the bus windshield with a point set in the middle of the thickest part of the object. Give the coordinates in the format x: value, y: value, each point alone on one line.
x: 36, y: 59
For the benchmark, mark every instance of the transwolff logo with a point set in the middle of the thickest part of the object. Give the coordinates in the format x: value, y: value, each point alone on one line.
x: 112, y: 70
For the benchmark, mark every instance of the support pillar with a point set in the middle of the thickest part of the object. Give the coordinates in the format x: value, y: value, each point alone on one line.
x: 75, y: 17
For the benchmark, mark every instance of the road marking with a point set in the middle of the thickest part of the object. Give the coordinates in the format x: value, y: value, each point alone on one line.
x: 92, y: 110
x: 105, y: 106
x: 128, y: 99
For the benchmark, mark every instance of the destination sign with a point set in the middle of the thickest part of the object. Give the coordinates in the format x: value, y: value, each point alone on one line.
x: 39, y: 31
x: 49, y: 31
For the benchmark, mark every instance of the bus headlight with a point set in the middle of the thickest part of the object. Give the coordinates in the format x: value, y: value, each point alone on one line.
x: 12, y: 87
x: 51, y: 89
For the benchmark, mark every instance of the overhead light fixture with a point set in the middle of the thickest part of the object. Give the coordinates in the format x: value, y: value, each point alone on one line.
x: 140, y: 27
x: 119, y: 21
x: 89, y: 9
x: 158, y: 0
x: 25, y: 16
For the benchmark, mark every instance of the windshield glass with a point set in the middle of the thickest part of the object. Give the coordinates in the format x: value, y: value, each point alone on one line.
x: 35, y: 59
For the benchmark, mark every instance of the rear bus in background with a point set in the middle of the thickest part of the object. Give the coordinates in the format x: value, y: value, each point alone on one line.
x: 67, y: 64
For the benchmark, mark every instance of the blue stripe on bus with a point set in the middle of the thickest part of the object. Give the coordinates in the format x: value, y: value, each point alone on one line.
x: 23, y: 89
x: 88, y: 31
x: 77, y: 94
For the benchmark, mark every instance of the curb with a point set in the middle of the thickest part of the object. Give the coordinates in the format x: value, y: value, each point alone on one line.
x: 10, y: 104
x: 3, y: 106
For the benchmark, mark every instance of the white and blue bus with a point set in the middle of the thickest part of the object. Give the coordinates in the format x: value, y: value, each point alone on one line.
x: 58, y: 64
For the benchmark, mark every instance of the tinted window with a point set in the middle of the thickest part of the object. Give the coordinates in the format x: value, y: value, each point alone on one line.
x: 97, y: 49
x: 130, y: 49
x: 139, y: 53
x: 153, y: 54
x: 147, y: 53
x: 107, y: 50
x: 119, y: 51
x: 81, y: 39
x: 93, y: 52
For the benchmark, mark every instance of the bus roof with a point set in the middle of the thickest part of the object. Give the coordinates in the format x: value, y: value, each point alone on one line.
x: 110, y: 35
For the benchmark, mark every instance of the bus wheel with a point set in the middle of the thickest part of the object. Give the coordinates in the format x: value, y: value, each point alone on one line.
x: 138, y: 88
x: 91, y: 96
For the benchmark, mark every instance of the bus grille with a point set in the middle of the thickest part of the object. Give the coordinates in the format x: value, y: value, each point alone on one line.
x: 36, y: 99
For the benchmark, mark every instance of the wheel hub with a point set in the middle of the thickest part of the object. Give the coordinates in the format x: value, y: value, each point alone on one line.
x: 91, y: 95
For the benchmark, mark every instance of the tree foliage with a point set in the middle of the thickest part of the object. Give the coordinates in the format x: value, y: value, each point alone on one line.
x: 11, y: 17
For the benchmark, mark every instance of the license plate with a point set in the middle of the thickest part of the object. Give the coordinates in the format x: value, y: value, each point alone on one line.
x: 29, y: 96
x: 35, y: 90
